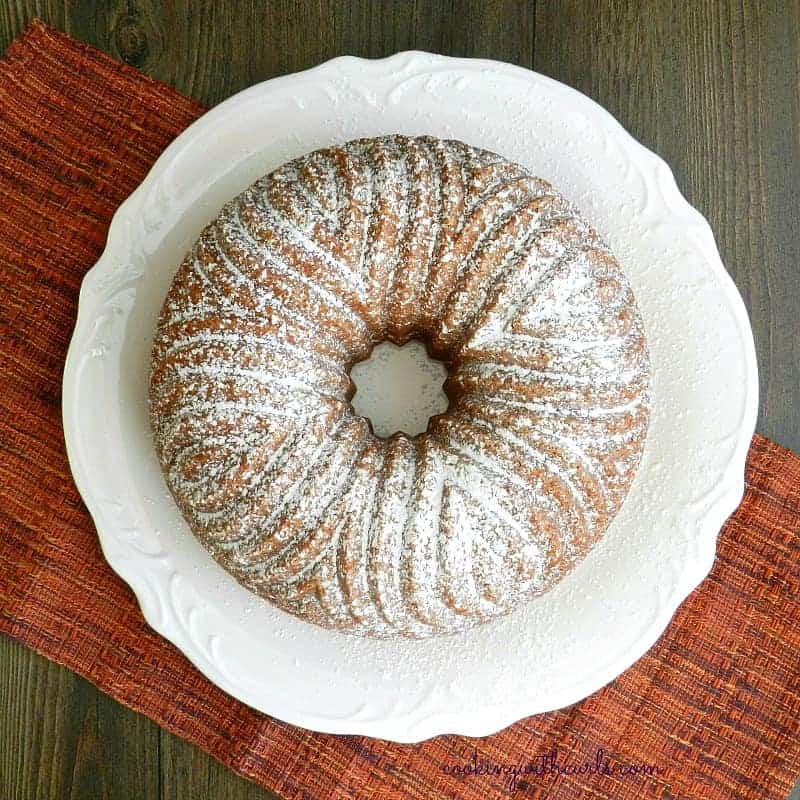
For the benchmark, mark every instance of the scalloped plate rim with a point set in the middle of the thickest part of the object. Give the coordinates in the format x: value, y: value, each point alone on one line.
x: 480, y: 721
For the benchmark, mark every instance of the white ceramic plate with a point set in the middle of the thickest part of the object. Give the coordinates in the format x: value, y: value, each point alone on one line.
x: 556, y: 650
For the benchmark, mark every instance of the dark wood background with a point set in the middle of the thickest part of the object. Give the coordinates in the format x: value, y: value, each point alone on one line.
x: 712, y: 87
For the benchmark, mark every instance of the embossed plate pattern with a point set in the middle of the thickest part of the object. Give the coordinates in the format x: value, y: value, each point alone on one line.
x: 606, y: 613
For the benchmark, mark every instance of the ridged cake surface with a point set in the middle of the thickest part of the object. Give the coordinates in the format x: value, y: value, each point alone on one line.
x: 394, y: 238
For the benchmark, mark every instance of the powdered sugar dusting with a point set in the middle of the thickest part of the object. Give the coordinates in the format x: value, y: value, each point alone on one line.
x: 391, y: 239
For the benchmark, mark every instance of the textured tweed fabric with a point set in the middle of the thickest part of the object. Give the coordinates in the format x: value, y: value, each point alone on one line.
x: 711, y: 712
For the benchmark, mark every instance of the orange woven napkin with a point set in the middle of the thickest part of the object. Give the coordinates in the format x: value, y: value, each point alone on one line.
x: 710, y: 712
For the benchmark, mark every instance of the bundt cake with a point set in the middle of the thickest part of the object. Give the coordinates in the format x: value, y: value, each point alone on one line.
x: 394, y: 238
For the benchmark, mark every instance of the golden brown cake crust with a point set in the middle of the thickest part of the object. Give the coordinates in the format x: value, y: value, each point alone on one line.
x: 296, y: 280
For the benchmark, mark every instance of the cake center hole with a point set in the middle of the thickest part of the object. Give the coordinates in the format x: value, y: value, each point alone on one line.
x: 399, y: 388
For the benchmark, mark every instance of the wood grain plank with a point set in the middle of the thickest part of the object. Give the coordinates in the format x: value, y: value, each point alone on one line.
x: 62, y: 739
x: 189, y: 774
x: 210, y: 50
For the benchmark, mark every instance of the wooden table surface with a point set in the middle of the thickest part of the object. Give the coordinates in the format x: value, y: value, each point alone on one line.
x: 712, y: 87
